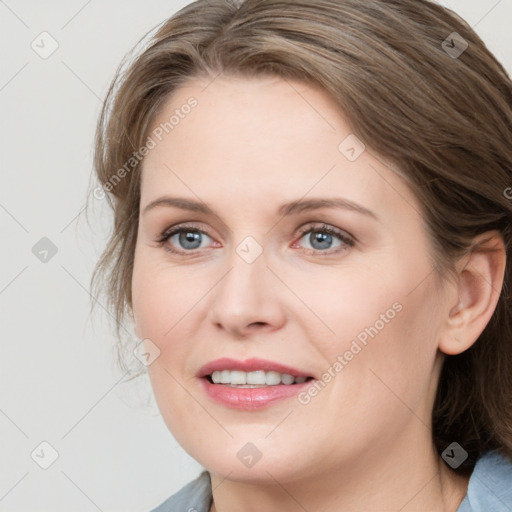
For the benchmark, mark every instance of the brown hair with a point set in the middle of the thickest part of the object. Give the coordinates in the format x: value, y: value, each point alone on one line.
x: 443, y: 119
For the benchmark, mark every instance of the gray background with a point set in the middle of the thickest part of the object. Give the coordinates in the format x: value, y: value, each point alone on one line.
x: 58, y: 380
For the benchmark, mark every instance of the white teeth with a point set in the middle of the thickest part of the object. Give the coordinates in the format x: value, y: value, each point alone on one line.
x: 257, y: 378
x: 238, y: 377
x: 272, y: 378
x: 287, y: 379
x: 225, y: 376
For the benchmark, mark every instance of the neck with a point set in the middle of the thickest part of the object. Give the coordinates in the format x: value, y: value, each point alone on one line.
x: 406, y: 480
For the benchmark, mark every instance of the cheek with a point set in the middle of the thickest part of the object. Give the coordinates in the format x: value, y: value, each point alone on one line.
x: 386, y: 322
x: 186, y: 419
x: 390, y: 356
x: 381, y: 383
x: 162, y: 297
x: 356, y: 302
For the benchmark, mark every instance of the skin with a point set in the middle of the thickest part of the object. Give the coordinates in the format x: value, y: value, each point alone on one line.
x: 364, y: 442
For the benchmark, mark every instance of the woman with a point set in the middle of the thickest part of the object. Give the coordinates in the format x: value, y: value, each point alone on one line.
x: 312, y: 211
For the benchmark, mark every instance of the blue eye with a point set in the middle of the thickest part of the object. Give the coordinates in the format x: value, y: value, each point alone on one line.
x: 321, y: 238
x: 189, y: 239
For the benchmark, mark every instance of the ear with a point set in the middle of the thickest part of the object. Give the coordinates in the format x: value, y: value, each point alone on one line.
x: 479, y: 282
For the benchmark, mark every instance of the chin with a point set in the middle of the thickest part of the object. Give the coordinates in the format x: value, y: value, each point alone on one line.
x: 246, y: 461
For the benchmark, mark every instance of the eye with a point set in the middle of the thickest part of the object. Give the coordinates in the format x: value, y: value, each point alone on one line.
x: 189, y: 238
x: 321, y: 238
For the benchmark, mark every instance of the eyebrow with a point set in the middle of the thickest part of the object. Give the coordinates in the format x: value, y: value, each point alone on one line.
x: 286, y: 209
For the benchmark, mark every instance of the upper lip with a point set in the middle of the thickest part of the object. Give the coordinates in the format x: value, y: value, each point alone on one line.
x: 248, y: 365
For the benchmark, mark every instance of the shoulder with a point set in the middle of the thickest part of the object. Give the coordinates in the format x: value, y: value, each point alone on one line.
x: 193, y: 497
x: 490, y: 485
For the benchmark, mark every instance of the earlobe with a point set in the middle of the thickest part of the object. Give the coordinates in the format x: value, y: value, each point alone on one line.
x: 479, y: 285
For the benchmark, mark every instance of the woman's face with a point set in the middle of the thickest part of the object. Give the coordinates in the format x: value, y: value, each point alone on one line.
x: 357, y: 309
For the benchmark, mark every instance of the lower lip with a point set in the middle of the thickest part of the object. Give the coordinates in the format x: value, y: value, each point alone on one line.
x: 250, y: 399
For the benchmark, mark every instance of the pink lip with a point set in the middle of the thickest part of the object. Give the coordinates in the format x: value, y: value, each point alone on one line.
x: 249, y: 398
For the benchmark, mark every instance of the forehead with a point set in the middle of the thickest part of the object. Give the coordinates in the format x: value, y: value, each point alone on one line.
x: 262, y: 139
x: 241, y: 116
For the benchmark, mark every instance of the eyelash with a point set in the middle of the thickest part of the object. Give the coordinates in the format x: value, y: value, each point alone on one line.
x: 348, y: 241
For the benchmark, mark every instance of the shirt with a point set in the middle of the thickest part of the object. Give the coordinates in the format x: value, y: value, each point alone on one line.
x: 489, y: 489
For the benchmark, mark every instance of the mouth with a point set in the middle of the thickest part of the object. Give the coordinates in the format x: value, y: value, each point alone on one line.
x: 254, y: 379
x: 251, y: 384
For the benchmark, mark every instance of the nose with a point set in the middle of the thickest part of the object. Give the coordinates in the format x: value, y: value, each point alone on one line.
x: 248, y: 299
